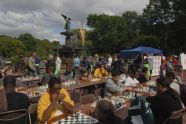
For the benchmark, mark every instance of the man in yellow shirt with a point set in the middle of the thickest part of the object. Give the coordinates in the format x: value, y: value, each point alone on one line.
x: 100, y: 72
x: 54, y: 102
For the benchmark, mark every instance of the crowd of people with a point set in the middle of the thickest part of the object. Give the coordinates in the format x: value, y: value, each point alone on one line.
x: 120, y: 76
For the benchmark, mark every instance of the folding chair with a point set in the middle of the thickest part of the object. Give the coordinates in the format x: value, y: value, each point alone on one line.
x: 175, y: 116
x: 87, y: 98
x: 14, y: 117
x: 32, y: 113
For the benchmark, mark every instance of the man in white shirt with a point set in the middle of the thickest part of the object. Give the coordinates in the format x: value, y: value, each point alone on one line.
x: 131, y: 79
x: 109, y: 61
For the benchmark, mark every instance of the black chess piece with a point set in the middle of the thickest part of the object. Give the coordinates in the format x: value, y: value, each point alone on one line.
x: 77, y: 115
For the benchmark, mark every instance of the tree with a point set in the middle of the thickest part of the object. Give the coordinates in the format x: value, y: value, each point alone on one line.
x: 29, y: 41
x: 44, y: 48
x: 112, y: 33
x: 11, y: 47
x: 165, y: 19
x: 147, y: 40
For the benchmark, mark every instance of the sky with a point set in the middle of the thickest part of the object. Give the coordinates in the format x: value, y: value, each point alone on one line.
x: 42, y: 18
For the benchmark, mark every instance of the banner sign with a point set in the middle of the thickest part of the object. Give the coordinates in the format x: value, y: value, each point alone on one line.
x: 183, y: 60
x: 156, y: 63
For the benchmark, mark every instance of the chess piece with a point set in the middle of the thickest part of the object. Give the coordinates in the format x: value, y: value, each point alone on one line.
x: 77, y: 115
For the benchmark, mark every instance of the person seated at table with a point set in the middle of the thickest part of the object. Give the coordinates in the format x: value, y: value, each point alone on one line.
x: 84, y: 75
x: 49, y: 73
x: 131, y: 78
x: 100, y: 72
x: 142, y: 76
x: 3, y: 102
x: 113, y: 85
x: 54, y: 101
x: 164, y: 102
x: 123, y: 78
x: 15, y: 100
x: 105, y: 113
x: 7, y: 71
x: 174, y: 83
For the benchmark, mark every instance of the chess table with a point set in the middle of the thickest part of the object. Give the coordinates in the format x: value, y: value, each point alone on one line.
x: 75, y: 118
x: 19, y: 74
x: 121, y: 110
x: 29, y: 79
x: 33, y: 93
x: 78, y: 118
x: 83, y: 84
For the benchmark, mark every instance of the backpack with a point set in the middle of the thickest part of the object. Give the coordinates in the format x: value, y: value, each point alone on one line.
x: 140, y: 111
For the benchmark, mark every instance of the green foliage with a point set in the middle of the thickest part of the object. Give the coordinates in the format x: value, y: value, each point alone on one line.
x: 112, y: 33
x: 147, y: 40
x: 165, y: 19
x: 29, y: 41
x: 12, y: 48
x: 44, y: 48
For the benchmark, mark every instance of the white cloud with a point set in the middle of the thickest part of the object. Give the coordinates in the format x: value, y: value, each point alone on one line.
x: 42, y: 17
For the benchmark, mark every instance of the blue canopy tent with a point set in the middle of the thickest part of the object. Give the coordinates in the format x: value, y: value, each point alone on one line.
x: 132, y: 53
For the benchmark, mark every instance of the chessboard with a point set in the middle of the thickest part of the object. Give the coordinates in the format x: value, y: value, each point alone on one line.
x: 69, y: 83
x: 78, y: 118
x: 129, y: 95
x: 118, y: 102
x: 95, y: 79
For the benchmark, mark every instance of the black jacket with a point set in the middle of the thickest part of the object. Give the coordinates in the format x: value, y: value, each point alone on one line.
x: 163, y: 104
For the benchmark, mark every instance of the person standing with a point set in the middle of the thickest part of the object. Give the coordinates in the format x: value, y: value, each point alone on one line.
x: 32, y: 65
x: 37, y: 62
x: 147, y: 65
x: 77, y: 63
x: 57, y: 65
x: 69, y: 68
x: 117, y: 65
x: 150, y: 61
x: 109, y: 63
x: 50, y: 61
x: 163, y: 68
